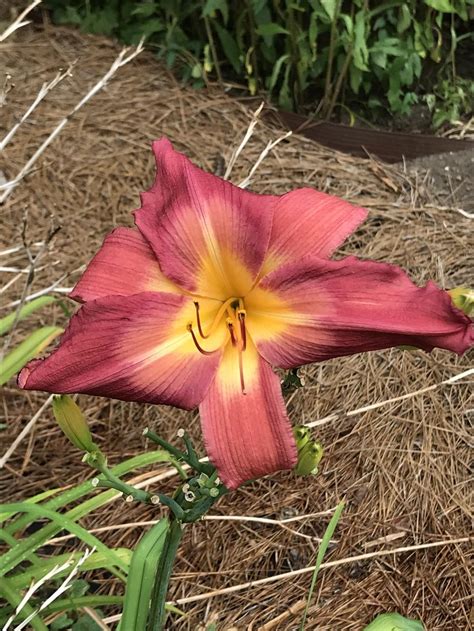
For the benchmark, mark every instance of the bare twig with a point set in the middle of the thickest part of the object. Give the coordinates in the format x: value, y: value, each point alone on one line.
x: 120, y: 61
x: 19, y: 22
x: 248, y: 134
x: 44, y: 91
x: 33, y: 260
x: 305, y: 570
x: 240, y: 518
x: 24, y: 432
x: 373, y: 406
x: 262, y: 156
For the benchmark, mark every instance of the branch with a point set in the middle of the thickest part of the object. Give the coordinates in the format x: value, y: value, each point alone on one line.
x: 14, y: 26
x: 120, y: 61
x: 44, y: 90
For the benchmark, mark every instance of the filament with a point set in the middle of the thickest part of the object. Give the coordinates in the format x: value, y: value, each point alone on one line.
x: 241, y: 372
x: 217, y: 319
x: 198, y: 346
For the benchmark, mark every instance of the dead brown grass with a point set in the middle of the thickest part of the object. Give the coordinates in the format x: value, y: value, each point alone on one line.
x: 403, y: 468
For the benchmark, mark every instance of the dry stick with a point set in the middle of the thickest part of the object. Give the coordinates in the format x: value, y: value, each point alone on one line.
x: 373, y: 406
x: 41, y: 292
x: 261, y: 157
x: 248, y: 134
x: 24, y: 432
x: 244, y: 518
x: 14, y: 26
x: 44, y: 91
x: 29, y: 279
x: 120, y: 61
x: 305, y: 570
x: 18, y: 248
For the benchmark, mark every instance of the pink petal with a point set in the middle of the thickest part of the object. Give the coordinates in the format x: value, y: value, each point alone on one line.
x: 246, y: 435
x: 308, y: 222
x: 336, y: 308
x: 134, y: 349
x: 124, y: 265
x: 210, y: 237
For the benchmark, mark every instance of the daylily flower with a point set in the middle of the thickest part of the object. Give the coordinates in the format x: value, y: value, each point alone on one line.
x: 217, y: 285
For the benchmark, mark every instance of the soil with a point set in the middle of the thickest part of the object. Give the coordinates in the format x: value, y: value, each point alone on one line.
x: 402, y: 466
x: 452, y: 177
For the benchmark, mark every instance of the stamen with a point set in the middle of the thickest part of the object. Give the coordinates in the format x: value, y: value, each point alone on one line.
x: 241, y: 371
x: 217, y: 319
x: 198, y: 320
x: 196, y: 343
x: 230, y: 327
x: 241, y: 313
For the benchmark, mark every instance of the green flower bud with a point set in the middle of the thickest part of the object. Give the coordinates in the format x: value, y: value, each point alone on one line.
x: 71, y: 420
x: 308, y: 458
x: 302, y: 435
x: 463, y: 298
x: 394, y: 622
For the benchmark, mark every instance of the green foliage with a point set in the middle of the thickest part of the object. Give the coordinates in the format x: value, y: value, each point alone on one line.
x: 300, y: 51
x: 34, y: 343
x: 25, y: 560
x: 394, y: 622
x: 450, y: 100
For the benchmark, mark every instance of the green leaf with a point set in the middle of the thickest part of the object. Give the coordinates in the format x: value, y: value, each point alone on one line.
x: 211, y: 6
x: 79, y: 587
x: 323, y: 546
x: 272, y: 28
x: 276, y: 72
x: 361, y: 53
x: 330, y: 8
x: 29, y: 348
x: 445, y: 6
x: 229, y: 46
x: 85, y: 623
x: 6, y: 323
x: 145, y: 9
x: 394, y: 622
x: 63, y: 622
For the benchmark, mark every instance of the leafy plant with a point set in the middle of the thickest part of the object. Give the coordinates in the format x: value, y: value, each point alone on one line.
x: 449, y: 100
x: 302, y: 52
x: 32, y: 345
x: 24, y: 563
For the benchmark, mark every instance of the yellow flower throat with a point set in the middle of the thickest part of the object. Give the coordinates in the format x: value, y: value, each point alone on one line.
x: 233, y: 309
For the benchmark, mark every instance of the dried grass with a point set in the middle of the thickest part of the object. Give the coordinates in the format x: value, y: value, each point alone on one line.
x: 403, y: 468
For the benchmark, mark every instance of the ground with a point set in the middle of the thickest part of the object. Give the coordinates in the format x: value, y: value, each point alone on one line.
x: 402, y: 466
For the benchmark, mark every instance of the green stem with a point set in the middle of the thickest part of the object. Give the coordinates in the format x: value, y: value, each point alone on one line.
x: 156, y: 619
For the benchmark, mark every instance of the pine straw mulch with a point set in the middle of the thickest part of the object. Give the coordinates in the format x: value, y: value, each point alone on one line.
x: 403, y: 468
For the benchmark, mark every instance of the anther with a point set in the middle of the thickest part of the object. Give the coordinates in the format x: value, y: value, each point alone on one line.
x: 180, y: 433
x: 230, y: 327
x: 129, y: 499
x: 241, y: 313
x: 95, y: 482
x: 189, y: 496
x: 154, y: 499
x: 198, y: 320
x: 214, y: 492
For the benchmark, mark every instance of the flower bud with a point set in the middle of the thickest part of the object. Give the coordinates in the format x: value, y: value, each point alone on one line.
x: 394, y: 622
x: 302, y: 435
x: 308, y: 458
x: 463, y: 298
x: 71, y: 420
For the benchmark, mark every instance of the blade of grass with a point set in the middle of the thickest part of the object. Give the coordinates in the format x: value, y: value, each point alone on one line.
x: 14, y: 598
x: 20, y: 552
x: 26, y: 350
x: 320, y: 556
x: 95, y: 561
x: 7, y: 322
x: 76, y: 492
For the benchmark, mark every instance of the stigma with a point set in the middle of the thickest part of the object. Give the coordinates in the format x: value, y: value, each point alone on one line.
x: 233, y: 310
